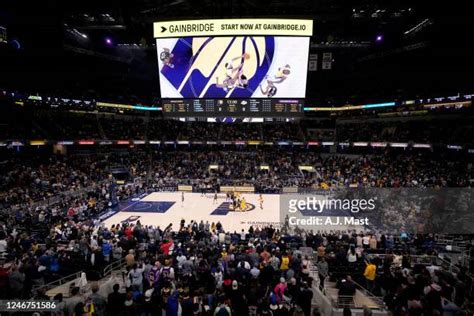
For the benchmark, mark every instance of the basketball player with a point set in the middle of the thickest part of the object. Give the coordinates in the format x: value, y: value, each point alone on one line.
x: 234, y: 204
x: 227, y: 84
x: 182, y: 199
x: 281, y: 75
x: 234, y: 77
x: 270, y: 90
x: 260, y: 199
x: 243, y: 204
x: 166, y: 57
x: 242, y: 81
x: 215, y: 198
x: 229, y: 66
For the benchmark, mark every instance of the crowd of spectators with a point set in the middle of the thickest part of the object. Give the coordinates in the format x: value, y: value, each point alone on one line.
x: 28, y: 233
x: 241, y: 131
x: 30, y: 178
x: 447, y: 131
x: 402, y: 275
x: 56, y: 125
x: 114, y: 128
x: 282, y: 132
x: 59, y: 125
x: 390, y: 169
x: 50, y: 207
x: 196, y: 131
x: 206, y: 267
x: 200, y: 268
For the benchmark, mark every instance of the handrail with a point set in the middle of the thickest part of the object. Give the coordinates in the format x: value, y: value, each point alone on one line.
x: 425, y: 260
x: 377, y: 299
x: 343, y: 301
x: 113, y: 266
x: 348, y: 300
x: 380, y: 305
x: 76, y: 275
x: 59, y: 282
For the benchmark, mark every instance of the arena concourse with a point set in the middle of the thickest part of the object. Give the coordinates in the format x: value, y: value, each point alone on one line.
x: 265, y: 158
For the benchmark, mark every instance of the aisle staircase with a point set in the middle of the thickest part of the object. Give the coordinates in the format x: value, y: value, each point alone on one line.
x: 359, y: 300
x: 111, y: 274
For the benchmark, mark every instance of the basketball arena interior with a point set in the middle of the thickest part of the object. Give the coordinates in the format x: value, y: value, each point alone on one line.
x: 236, y: 158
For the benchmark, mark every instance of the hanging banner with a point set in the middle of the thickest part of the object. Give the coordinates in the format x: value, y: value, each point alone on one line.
x: 313, y: 62
x: 327, y: 61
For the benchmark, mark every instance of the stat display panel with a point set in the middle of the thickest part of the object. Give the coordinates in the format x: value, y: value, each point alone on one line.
x: 233, y: 107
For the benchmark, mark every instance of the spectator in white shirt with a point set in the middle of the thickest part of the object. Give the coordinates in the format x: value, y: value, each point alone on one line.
x: 255, y: 272
x: 366, y: 241
x: 136, y: 277
x: 351, y: 255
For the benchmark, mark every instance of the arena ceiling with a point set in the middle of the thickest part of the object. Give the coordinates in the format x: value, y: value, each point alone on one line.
x: 424, y: 49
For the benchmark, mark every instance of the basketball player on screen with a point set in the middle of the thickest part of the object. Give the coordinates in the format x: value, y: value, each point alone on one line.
x: 167, y: 57
x: 227, y: 84
x: 234, y: 77
x: 281, y: 75
x: 270, y: 90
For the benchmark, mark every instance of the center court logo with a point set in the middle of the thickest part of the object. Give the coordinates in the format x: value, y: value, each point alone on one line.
x: 248, y: 207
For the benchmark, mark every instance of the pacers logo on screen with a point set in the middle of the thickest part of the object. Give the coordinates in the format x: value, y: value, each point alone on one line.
x: 285, y: 27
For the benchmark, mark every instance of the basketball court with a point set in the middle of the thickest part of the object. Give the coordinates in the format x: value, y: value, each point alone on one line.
x: 163, y: 208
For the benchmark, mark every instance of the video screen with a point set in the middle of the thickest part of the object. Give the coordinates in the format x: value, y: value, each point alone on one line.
x: 233, y: 67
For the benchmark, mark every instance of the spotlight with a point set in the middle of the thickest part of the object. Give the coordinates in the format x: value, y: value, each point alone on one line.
x: 379, y: 38
x: 108, y: 41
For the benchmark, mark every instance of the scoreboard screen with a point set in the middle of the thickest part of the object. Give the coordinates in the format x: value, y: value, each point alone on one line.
x: 233, y: 58
x: 233, y: 107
